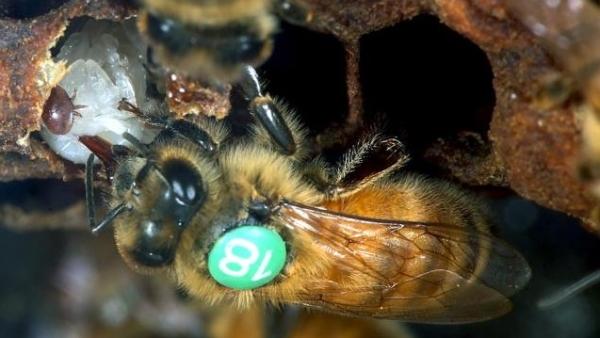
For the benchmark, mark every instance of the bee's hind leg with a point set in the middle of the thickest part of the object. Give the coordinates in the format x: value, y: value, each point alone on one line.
x: 373, y: 158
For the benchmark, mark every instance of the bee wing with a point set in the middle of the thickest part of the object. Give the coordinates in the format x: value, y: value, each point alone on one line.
x: 569, y: 28
x: 409, y: 271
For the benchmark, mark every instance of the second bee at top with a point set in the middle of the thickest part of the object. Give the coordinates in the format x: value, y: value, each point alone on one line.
x: 213, y: 40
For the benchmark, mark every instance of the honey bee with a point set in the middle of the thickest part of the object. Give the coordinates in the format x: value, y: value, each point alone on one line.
x: 252, y: 221
x: 570, y: 29
x: 59, y: 111
x: 213, y: 39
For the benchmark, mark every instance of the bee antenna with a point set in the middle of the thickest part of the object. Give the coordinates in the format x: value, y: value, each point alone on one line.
x: 91, y: 202
x: 150, y: 162
x: 89, y: 191
x: 110, y: 217
x: 150, y: 165
x: 137, y: 144
x: 160, y: 174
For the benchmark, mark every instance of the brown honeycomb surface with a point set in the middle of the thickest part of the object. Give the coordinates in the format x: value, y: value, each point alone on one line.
x: 530, y: 151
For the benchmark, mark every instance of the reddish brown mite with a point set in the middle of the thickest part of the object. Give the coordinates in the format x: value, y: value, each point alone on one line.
x: 59, y: 111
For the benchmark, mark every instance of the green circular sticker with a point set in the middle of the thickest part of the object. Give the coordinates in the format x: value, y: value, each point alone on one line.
x: 247, y: 257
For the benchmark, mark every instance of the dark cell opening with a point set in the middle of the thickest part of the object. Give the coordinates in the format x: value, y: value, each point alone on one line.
x: 41, y: 194
x: 307, y: 70
x: 426, y: 80
x: 75, y: 25
x: 27, y: 9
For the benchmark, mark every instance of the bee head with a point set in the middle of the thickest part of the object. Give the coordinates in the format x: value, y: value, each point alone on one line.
x: 165, y: 195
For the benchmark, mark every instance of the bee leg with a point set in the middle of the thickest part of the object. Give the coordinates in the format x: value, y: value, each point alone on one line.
x: 319, y: 173
x: 109, y: 154
x: 144, y: 150
x: 91, y: 201
x: 195, y: 134
x: 125, y: 105
x: 372, y: 159
x: 293, y: 12
x: 184, y: 128
x: 267, y: 112
x: 155, y: 81
x: 137, y: 144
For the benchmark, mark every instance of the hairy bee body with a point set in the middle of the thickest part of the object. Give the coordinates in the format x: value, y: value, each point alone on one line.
x: 251, y: 221
x: 208, y: 39
x: 409, y: 198
x: 437, y: 219
x: 314, y: 276
x: 252, y: 174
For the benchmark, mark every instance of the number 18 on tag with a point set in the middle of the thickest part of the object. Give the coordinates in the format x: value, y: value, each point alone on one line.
x: 247, y: 257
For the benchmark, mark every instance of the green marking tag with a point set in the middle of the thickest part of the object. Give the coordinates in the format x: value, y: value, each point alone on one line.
x: 247, y: 257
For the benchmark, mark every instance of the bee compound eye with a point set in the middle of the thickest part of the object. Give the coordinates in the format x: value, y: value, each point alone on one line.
x: 247, y: 257
x: 186, y: 192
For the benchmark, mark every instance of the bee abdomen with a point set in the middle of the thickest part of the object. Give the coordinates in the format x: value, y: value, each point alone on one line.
x: 233, y: 43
